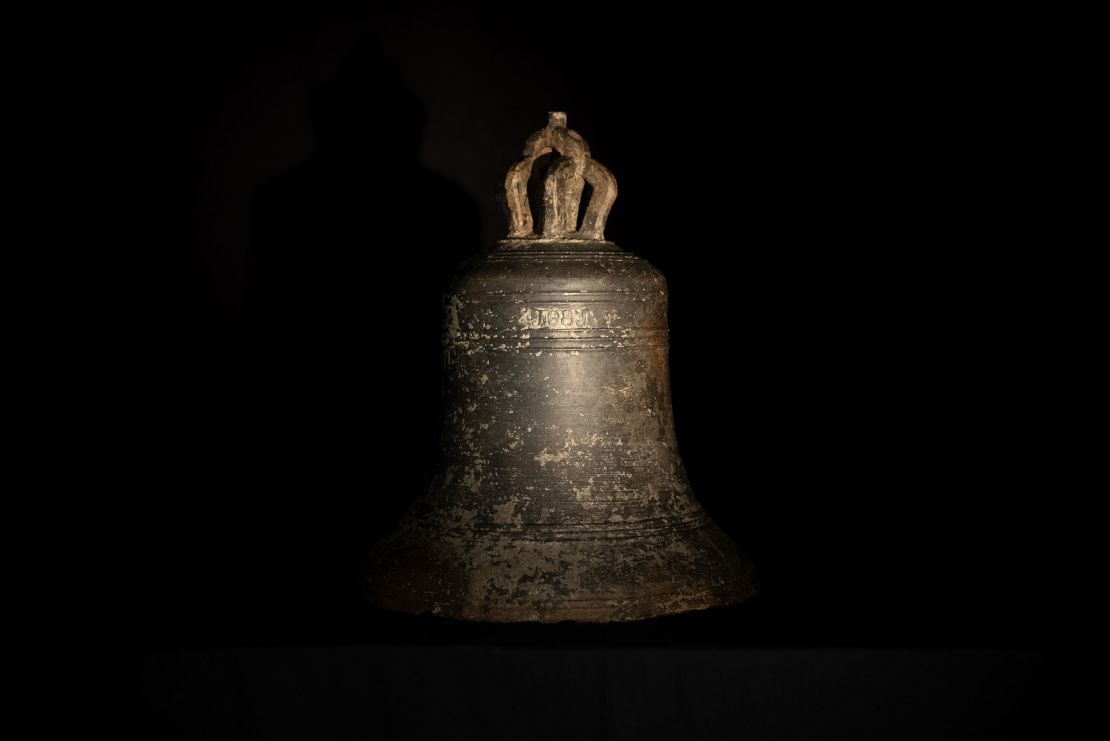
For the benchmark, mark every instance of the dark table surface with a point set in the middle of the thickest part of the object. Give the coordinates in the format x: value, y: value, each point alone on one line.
x: 368, y: 691
x: 717, y: 674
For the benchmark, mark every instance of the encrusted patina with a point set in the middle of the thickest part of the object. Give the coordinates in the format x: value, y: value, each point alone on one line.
x: 560, y: 494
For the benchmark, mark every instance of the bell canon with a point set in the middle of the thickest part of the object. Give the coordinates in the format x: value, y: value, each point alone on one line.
x: 559, y: 494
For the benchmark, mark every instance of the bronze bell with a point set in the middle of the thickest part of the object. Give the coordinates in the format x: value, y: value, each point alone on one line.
x: 560, y: 494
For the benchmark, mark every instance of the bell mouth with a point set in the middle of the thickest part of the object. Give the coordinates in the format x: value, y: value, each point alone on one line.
x: 495, y: 577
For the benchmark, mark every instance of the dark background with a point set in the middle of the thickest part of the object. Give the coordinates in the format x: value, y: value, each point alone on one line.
x: 865, y: 386
x: 869, y: 386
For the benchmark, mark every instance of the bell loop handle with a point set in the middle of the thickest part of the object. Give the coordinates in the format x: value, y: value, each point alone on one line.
x: 562, y: 188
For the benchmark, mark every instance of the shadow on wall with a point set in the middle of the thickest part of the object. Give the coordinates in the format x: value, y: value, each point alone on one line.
x: 360, y: 219
x: 350, y: 252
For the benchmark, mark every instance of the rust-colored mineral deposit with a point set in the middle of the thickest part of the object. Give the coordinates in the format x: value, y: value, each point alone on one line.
x: 560, y: 494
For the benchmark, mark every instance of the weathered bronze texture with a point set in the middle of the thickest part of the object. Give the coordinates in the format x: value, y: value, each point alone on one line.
x: 560, y: 494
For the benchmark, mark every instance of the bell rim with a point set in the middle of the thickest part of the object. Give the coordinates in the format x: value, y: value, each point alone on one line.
x: 742, y: 589
x: 623, y: 599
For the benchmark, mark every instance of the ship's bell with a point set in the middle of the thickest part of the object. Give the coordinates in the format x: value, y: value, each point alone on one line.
x: 560, y: 494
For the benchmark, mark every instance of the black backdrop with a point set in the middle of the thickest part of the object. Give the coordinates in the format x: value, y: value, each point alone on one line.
x: 865, y: 376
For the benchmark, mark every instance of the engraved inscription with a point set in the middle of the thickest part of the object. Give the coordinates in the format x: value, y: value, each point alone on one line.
x: 557, y: 318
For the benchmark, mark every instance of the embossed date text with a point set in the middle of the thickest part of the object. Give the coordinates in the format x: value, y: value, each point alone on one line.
x: 556, y: 318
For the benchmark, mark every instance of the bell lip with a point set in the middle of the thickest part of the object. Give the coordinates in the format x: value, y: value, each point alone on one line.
x: 623, y: 601
x: 739, y: 591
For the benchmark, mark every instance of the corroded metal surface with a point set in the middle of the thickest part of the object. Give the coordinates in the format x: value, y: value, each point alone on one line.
x: 560, y: 494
